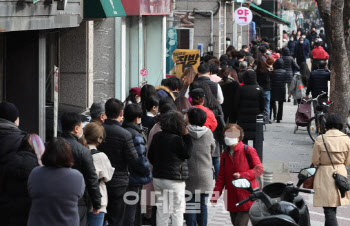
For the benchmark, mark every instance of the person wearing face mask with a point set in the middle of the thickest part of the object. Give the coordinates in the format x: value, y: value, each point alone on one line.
x: 150, y: 112
x: 119, y: 148
x: 132, y: 121
x: 237, y: 161
x: 307, y: 42
x: 291, y: 45
x: 94, y: 134
x: 10, y: 135
x: 302, y: 51
x: 134, y: 96
x: 72, y: 131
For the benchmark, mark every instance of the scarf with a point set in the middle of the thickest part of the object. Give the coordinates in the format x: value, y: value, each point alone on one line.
x: 38, y: 146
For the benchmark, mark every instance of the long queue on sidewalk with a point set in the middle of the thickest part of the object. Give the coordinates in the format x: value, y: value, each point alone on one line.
x: 155, y: 156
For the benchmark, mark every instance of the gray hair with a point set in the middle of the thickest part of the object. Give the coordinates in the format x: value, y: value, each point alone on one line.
x: 97, y: 109
x: 250, y: 60
x: 243, y: 65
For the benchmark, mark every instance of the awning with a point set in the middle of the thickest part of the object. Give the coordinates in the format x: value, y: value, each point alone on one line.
x: 267, y: 15
x: 122, y: 8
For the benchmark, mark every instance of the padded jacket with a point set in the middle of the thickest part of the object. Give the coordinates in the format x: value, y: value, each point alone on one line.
x: 136, y: 178
x: 289, y: 64
x: 250, y: 102
x: 84, y: 163
x: 318, y: 82
x: 278, y: 81
x: 168, y: 154
x: 10, y: 139
x: 119, y: 148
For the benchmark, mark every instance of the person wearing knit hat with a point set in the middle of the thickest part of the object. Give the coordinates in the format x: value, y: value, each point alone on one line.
x: 10, y: 137
x: 134, y: 96
x: 9, y: 111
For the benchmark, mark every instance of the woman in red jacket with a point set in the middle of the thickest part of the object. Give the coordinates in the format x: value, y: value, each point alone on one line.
x: 237, y: 161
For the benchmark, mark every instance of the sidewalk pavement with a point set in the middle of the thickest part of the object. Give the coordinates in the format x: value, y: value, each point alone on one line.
x: 284, y: 154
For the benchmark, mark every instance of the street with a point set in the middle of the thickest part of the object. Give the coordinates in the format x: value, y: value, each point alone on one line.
x: 285, y: 154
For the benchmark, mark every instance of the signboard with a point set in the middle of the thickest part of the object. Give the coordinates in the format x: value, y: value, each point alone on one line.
x: 243, y: 16
x: 144, y: 72
x: 184, y: 58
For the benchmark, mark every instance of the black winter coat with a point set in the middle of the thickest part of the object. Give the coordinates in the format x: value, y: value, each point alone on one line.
x: 291, y: 47
x: 278, y: 81
x: 318, y: 82
x: 15, y: 201
x: 264, y: 80
x: 168, y: 154
x: 120, y: 149
x: 289, y: 64
x: 136, y: 178
x: 251, y: 102
x: 212, y: 85
x: 10, y: 140
x: 229, y: 89
x: 84, y: 163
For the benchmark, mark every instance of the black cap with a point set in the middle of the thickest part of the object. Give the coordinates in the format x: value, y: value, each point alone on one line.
x: 9, y: 111
x: 197, y: 93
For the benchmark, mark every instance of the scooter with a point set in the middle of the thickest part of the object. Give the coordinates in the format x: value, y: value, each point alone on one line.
x: 278, y: 203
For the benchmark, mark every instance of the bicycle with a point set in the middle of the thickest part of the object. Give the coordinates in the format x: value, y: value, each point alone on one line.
x: 317, y: 124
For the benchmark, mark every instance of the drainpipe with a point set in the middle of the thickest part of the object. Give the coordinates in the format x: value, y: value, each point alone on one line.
x: 211, y: 20
x: 141, y: 78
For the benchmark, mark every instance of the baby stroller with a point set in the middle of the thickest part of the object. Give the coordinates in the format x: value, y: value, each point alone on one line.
x: 303, y: 114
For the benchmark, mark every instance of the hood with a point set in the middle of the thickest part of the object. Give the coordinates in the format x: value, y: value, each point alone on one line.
x: 278, y: 64
x: 6, y: 125
x: 286, y: 51
x: 163, y: 91
x: 196, y: 132
x: 249, y: 78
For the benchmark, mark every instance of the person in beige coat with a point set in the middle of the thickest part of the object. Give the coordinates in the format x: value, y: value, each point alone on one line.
x: 94, y: 133
x: 327, y: 194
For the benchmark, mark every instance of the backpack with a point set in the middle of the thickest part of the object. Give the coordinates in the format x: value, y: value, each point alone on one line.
x: 246, y: 154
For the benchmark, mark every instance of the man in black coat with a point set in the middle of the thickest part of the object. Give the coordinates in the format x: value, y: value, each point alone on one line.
x: 250, y: 102
x: 318, y: 83
x: 204, y: 77
x: 278, y: 88
x: 10, y: 135
x: 72, y: 131
x: 119, y: 148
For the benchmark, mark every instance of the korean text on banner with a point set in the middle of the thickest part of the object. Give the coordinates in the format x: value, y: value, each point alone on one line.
x: 184, y: 58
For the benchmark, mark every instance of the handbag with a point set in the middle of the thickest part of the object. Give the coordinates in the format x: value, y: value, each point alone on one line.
x: 309, y: 183
x: 340, y: 181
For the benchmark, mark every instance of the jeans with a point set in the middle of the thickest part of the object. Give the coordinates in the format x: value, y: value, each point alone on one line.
x: 239, y: 218
x: 331, y: 216
x: 133, y: 212
x: 216, y: 164
x: 116, y: 205
x: 95, y: 219
x: 267, y: 97
x: 194, y: 215
x: 170, y: 198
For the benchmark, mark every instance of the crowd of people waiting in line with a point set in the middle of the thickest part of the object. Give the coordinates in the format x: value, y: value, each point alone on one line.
x: 177, y: 137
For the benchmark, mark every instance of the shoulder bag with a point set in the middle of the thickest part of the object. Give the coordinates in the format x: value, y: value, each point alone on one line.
x: 340, y: 181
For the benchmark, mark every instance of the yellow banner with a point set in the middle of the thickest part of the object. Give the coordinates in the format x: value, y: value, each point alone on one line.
x: 184, y: 58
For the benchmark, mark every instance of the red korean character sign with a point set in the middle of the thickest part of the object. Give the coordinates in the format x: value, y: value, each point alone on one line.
x: 243, y: 16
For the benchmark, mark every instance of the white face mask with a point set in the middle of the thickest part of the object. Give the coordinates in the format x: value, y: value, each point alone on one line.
x: 139, y: 121
x: 81, y: 135
x: 228, y: 43
x: 230, y: 141
x: 301, y: 42
x: 292, y: 39
x: 303, y: 36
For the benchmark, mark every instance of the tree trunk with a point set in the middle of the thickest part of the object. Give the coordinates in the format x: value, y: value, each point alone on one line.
x: 347, y: 27
x: 341, y: 70
x: 340, y: 80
